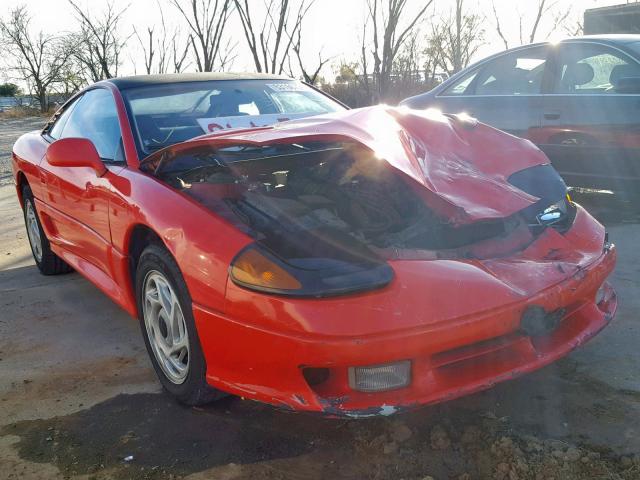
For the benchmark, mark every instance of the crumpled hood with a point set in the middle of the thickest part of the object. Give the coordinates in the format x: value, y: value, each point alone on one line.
x: 463, y: 165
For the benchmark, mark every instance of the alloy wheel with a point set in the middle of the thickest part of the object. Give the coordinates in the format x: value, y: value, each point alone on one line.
x: 33, y: 230
x: 166, y: 327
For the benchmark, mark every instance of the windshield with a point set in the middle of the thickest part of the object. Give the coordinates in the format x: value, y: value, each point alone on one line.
x: 172, y: 113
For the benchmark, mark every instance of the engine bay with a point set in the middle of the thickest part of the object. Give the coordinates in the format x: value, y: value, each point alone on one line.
x: 332, y: 200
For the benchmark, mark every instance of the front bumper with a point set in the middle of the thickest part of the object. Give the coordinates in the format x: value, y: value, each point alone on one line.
x: 449, y: 359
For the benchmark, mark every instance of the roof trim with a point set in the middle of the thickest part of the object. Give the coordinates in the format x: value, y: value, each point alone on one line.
x: 124, y: 83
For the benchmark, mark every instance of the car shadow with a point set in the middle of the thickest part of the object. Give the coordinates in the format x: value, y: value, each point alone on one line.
x: 159, y: 433
x: 27, y: 276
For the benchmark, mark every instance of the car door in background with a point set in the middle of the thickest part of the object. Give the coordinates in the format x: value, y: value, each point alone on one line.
x: 78, y: 199
x: 591, y: 131
x: 503, y: 92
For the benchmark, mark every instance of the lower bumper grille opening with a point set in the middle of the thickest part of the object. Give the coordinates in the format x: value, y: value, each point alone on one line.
x: 315, y: 376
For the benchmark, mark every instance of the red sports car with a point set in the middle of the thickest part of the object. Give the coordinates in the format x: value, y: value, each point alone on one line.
x: 276, y: 245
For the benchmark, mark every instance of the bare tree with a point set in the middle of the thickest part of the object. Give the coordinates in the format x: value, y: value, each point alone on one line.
x: 543, y: 8
x: 160, y: 47
x: 498, y: 27
x: 310, y: 75
x: 364, y: 79
x: 574, y: 29
x: 99, y: 43
x: 70, y: 79
x: 179, y: 53
x: 148, y: 45
x: 163, y: 43
x: 456, y: 39
x: 387, y: 37
x: 348, y: 86
x: 271, y: 41
x: 408, y: 65
x: 38, y: 58
x: 413, y: 70
x: 207, y: 20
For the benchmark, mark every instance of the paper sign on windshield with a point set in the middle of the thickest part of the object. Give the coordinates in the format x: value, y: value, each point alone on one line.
x: 217, y: 124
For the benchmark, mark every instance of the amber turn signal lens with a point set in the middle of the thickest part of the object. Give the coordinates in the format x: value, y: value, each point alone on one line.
x: 254, y: 269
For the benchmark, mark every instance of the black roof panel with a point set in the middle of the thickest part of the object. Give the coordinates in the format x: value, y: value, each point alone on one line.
x: 140, y: 80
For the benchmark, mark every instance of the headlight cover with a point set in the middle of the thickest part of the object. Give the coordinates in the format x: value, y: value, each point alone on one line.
x: 257, y: 268
x: 555, y: 207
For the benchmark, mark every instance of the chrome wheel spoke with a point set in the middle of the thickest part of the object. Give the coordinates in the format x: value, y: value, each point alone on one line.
x: 182, y: 356
x: 180, y: 344
x: 178, y: 327
x: 165, y: 295
x: 151, y: 296
x: 33, y: 230
x: 166, y: 327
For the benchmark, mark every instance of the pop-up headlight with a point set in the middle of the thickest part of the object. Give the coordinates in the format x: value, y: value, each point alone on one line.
x: 256, y: 268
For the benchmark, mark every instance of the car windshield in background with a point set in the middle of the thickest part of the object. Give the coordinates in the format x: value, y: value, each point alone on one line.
x: 172, y: 113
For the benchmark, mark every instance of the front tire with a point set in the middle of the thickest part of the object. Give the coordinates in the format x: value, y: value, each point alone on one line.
x: 168, y: 328
x: 47, y: 262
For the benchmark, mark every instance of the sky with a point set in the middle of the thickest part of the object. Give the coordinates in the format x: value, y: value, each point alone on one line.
x: 332, y: 26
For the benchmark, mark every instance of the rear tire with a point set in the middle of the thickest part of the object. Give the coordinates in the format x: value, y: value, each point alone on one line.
x: 169, y: 330
x: 47, y: 262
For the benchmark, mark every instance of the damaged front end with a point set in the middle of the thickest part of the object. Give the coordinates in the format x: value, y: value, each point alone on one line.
x: 327, y: 214
x: 446, y: 256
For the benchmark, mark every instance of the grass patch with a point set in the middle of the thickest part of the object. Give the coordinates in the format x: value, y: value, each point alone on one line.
x: 24, y: 112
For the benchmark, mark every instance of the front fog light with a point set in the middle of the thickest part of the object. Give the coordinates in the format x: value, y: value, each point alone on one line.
x: 380, y: 378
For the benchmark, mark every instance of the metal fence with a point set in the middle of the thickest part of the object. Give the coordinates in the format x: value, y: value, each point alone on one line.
x: 7, y: 103
x: 11, y: 102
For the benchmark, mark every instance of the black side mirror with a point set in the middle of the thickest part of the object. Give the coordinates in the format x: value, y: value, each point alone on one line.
x: 628, y: 85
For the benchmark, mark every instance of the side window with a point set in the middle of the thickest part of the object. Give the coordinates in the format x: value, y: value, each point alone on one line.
x: 591, y: 69
x: 56, y: 130
x: 461, y: 86
x: 95, y: 117
x: 518, y: 73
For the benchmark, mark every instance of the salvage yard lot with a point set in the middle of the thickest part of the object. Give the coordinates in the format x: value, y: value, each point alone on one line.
x: 78, y: 396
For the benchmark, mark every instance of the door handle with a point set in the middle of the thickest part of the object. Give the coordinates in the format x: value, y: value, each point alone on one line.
x: 552, y: 115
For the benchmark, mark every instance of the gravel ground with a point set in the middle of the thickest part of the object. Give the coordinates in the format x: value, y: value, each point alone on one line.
x: 78, y: 398
x: 10, y: 129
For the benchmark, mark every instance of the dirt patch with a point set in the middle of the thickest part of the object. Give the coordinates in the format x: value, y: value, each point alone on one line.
x: 150, y: 436
x: 108, y: 373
